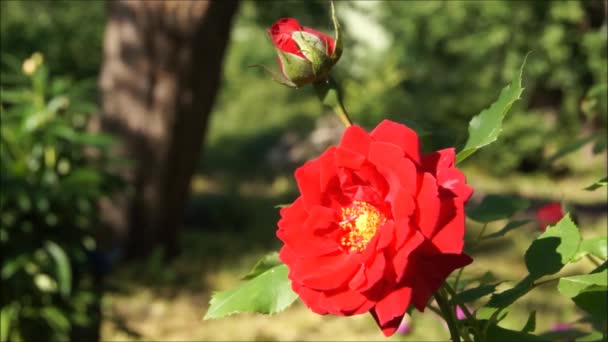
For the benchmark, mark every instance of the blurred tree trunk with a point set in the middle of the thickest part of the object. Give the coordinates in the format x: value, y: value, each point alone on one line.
x: 160, y: 75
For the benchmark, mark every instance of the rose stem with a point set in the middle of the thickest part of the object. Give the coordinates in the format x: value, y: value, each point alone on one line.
x: 330, y: 96
x: 448, y: 315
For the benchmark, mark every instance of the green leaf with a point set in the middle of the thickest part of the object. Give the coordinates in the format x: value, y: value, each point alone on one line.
x: 508, y: 297
x: 487, y: 125
x: 595, y: 303
x: 530, y: 325
x: 597, y: 247
x: 269, y: 261
x: 575, y: 285
x: 507, y: 228
x: 473, y: 294
x: 497, y: 207
x: 63, y: 270
x: 600, y: 183
x: 553, y: 249
x: 268, y: 293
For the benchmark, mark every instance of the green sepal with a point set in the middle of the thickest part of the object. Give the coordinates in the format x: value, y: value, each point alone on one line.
x: 338, y: 45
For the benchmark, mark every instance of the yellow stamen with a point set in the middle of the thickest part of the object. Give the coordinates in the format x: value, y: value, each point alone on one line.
x: 360, y: 221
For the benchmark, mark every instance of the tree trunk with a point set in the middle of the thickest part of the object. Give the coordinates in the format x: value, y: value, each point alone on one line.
x: 160, y: 75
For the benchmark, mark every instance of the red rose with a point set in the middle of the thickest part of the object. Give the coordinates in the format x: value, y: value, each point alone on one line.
x: 305, y: 55
x: 549, y: 214
x: 377, y: 225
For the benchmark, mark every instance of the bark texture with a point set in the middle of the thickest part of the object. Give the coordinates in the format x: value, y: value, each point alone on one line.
x: 160, y: 76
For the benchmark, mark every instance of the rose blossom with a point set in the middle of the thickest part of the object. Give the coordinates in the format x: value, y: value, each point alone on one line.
x: 377, y: 226
x: 549, y: 214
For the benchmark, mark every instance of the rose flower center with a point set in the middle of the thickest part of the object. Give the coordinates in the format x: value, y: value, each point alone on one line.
x: 360, y: 221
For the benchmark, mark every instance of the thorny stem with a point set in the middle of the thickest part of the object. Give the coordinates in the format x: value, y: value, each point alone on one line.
x: 448, y: 315
x: 472, y: 321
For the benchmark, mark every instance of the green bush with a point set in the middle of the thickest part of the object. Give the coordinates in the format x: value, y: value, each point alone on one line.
x: 450, y: 51
x: 52, y: 174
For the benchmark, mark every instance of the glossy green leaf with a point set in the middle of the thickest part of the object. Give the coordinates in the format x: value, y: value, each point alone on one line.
x: 497, y: 207
x: 485, y: 128
x: 63, y: 270
x: 269, y: 261
x: 596, y: 246
x: 553, y: 249
x: 530, y: 325
x: 507, y: 228
x: 575, y: 285
x: 268, y: 293
x: 600, y: 183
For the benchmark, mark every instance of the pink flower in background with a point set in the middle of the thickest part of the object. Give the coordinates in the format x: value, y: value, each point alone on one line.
x: 549, y: 214
x: 460, y: 313
x: 406, y: 325
x: 561, y: 327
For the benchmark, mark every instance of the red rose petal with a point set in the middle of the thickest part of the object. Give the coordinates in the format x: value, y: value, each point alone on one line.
x: 400, y: 135
x: 356, y: 139
x: 281, y: 32
x: 401, y: 257
x: 397, y: 171
x: 427, y: 213
x: 349, y: 159
x: 314, y: 300
x: 450, y: 238
x: 403, y: 204
x: 326, y: 272
x: 309, y: 183
x: 389, y: 311
x: 441, y: 164
x: 430, y: 271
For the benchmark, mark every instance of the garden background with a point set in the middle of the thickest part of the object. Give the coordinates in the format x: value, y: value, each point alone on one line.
x: 69, y: 272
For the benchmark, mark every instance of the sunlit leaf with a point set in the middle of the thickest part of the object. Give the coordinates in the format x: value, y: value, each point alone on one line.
x: 553, y: 249
x: 575, y: 285
x: 485, y: 128
x: 268, y: 293
x: 597, y: 247
x: 269, y: 261
x: 497, y: 207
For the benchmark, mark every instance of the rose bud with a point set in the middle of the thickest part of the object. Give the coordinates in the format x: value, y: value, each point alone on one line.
x: 305, y: 55
x: 549, y: 214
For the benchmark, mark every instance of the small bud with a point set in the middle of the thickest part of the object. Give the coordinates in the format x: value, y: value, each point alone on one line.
x: 549, y: 214
x: 305, y: 55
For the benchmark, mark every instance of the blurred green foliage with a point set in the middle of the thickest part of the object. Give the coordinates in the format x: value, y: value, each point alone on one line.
x: 444, y: 61
x: 67, y: 33
x: 52, y: 174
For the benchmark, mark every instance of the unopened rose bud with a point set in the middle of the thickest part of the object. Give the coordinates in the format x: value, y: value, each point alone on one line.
x: 305, y: 55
